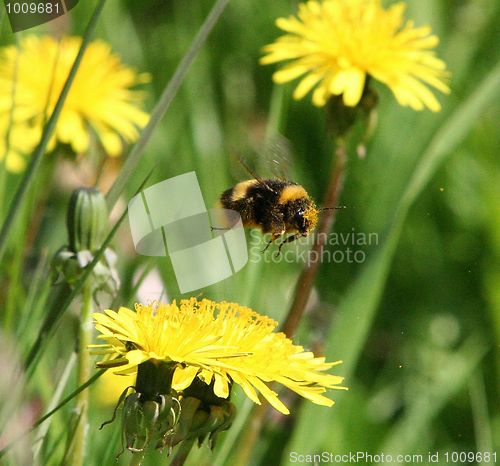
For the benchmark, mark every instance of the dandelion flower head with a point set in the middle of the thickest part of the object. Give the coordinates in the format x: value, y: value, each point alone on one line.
x: 335, y: 45
x: 100, y: 100
x: 218, y: 342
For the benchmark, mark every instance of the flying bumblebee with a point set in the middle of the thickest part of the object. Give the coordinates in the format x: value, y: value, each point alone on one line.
x: 279, y: 207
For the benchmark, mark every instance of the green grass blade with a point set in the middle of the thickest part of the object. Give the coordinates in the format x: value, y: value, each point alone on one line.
x: 42, y: 431
x: 52, y: 451
x: 36, y: 298
x: 449, y: 136
x: 357, y: 310
x: 69, y: 398
x: 48, y: 129
x: 479, y: 407
x: 148, y: 267
x: 164, y: 102
x: 71, y: 438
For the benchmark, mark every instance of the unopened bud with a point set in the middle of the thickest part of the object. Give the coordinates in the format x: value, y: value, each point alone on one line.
x: 203, y: 414
x: 87, y: 220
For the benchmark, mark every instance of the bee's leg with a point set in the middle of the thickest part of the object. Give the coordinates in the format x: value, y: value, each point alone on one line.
x: 274, y: 237
x: 290, y: 239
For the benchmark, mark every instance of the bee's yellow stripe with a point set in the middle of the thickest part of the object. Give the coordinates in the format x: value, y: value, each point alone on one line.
x: 292, y: 193
x: 240, y: 190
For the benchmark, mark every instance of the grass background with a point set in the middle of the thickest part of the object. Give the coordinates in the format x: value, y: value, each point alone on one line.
x: 417, y: 324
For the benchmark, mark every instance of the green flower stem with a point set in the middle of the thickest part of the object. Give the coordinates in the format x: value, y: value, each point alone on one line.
x: 308, y: 275
x: 35, y: 160
x: 251, y: 435
x: 83, y: 374
x: 183, y: 452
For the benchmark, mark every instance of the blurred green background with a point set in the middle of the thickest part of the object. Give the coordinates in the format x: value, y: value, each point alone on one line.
x: 417, y: 323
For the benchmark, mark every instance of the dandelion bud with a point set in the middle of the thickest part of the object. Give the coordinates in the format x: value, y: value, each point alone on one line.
x: 203, y: 414
x: 199, y: 421
x: 87, y: 220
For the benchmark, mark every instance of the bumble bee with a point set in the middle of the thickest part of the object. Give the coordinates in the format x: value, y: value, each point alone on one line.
x: 276, y: 206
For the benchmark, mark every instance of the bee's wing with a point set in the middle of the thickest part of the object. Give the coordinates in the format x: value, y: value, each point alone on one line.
x: 250, y: 171
x: 272, y: 160
x: 278, y: 156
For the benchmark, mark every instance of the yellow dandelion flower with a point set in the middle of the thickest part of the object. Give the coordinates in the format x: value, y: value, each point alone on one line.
x: 335, y: 45
x: 99, y: 101
x: 217, y: 342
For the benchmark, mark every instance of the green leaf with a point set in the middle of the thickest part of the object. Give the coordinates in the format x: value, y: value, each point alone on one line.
x: 42, y: 431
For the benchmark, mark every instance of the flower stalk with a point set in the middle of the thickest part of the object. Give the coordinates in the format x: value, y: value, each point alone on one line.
x: 182, y: 452
x: 306, y: 280
x: 83, y: 374
x: 87, y: 219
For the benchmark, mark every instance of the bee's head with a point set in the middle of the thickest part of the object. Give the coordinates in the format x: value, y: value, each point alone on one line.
x: 306, y: 218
